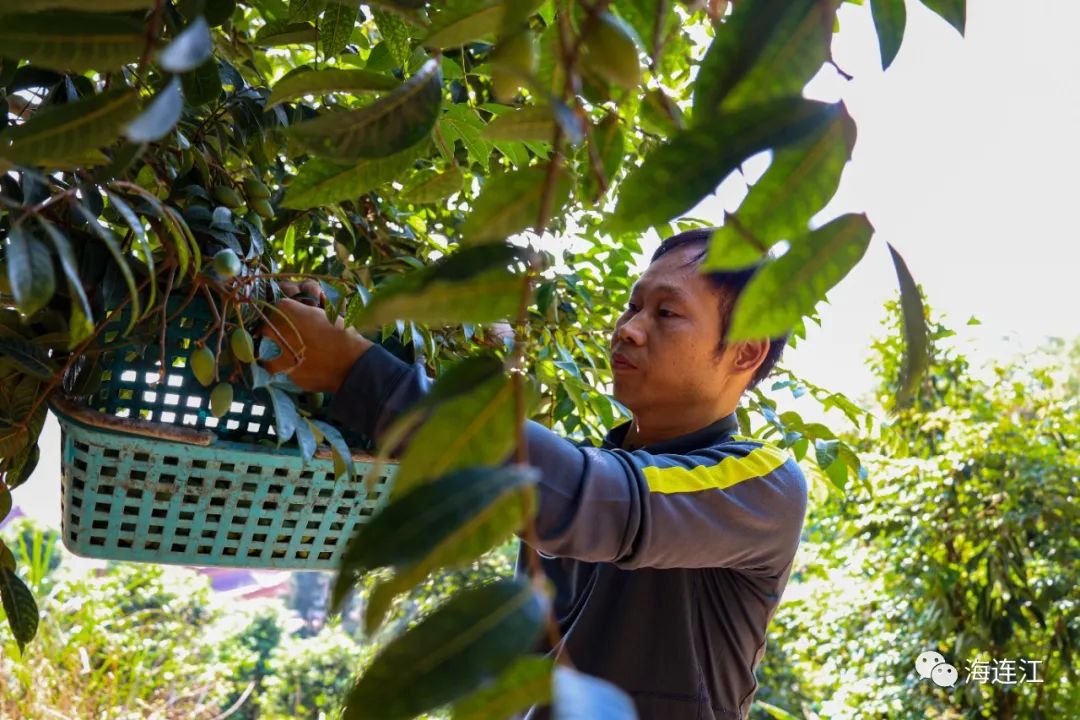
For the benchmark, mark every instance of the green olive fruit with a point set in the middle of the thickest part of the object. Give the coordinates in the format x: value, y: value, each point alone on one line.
x: 610, y: 51
x: 226, y: 263
x: 221, y: 399
x: 201, y: 361
x: 243, y: 347
x: 255, y: 189
x: 227, y: 196
x: 263, y: 207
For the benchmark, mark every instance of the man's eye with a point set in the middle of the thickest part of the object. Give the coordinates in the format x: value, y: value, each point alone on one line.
x: 669, y: 313
x: 631, y: 307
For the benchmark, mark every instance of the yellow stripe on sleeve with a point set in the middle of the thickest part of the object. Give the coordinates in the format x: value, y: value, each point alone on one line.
x: 729, y: 471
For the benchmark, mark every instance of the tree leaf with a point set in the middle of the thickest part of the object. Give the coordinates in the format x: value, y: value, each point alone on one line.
x: 477, y: 428
x: 305, y: 438
x: 767, y: 49
x: 445, y: 523
x: 305, y: 10
x: 953, y: 12
x: 118, y: 255
x: 916, y: 350
x: 5, y: 504
x: 697, y: 160
x: 19, y: 605
x: 29, y: 270
x: 433, y: 186
x: 511, y: 202
x: 73, y: 40
x: 81, y: 323
x: 60, y: 133
x: 471, y: 285
x: 789, y: 287
x: 460, y: 21
x: 890, y: 17
x: 527, y: 682
x: 276, y: 33
x: 578, y: 696
x: 800, y: 181
x: 399, y: 120
x: 461, y: 122
x: 7, y: 559
x: 395, y: 34
x: 536, y: 122
x: 322, y: 181
x: 285, y: 417
x: 456, y: 649
x: 203, y: 84
x: 320, y: 82
x: 343, y: 462
x: 22, y: 465
x: 159, y: 117
x: 188, y: 50
x: 336, y: 27
x: 610, y: 147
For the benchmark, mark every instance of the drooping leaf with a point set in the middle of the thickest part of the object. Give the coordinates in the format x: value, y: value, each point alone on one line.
x: 578, y: 696
x: 800, y: 181
x: 203, y: 84
x: 445, y: 523
x: 343, y: 463
x: 478, y: 428
x: 790, y: 286
x: 29, y: 270
x: 527, y: 682
x: 20, y: 607
x: 610, y: 148
x: 433, y: 187
x: 471, y: 285
x: 188, y: 50
x: 320, y: 82
x: 81, y: 323
x: 511, y: 202
x: 916, y: 351
x: 305, y: 10
x: 61, y: 133
x: 322, y: 181
x: 464, y: 643
x: 22, y: 465
x: 305, y: 438
x: 767, y: 49
x: 698, y: 159
x: 336, y: 27
x: 399, y: 120
x: 75, y: 41
x: 285, y: 416
x: 890, y: 17
x: 953, y: 12
x: 160, y: 116
x: 117, y: 253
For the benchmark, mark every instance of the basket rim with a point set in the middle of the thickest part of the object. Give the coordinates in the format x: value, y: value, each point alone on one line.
x: 71, y: 411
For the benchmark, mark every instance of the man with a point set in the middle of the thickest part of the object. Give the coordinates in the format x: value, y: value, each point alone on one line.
x: 669, y: 546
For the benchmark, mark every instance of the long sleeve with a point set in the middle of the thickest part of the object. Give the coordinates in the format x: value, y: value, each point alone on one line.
x: 739, y: 504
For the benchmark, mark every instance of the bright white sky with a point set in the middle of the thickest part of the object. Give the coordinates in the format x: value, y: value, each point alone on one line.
x: 965, y: 159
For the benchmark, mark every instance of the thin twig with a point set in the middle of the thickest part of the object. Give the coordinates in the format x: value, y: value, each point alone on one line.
x: 165, y: 324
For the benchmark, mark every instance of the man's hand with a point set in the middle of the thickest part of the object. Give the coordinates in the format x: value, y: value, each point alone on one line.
x: 314, y: 354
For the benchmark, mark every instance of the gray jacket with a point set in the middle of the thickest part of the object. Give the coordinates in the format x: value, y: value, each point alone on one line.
x: 668, y: 561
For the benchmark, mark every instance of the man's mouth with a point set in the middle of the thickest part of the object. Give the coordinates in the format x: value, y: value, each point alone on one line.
x: 619, y: 361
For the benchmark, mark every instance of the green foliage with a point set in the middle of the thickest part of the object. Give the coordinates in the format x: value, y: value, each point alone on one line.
x: 963, y: 543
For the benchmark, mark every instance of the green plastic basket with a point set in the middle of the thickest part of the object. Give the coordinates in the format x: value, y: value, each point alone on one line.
x: 150, y: 475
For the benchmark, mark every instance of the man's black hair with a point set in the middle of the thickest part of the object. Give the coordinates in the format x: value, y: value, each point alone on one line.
x: 731, y: 283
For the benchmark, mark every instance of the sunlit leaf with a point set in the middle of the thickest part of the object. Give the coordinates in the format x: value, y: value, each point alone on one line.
x: 188, y: 50
x: 320, y: 82
x: 401, y: 119
x: 160, y: 116
x: 433, y: 186
x: 510, y: 203
x: 459, y: 21
x: 790, y: 286
x: 322, y: 181
x: 535, y: 122
x: 285, y: 33
x: 525, y: 683
x: 336, y: 27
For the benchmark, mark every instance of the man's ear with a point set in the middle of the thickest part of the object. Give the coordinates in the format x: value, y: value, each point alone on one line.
x: 749, y: 354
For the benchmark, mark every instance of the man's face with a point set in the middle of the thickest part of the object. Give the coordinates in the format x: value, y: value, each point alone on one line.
x: 669, y: 331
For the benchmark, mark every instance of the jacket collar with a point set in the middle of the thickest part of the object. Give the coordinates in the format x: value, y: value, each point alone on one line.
x: 704, y: 437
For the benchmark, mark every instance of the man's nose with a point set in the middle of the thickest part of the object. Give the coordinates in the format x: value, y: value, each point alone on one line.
x: 630, y: 332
